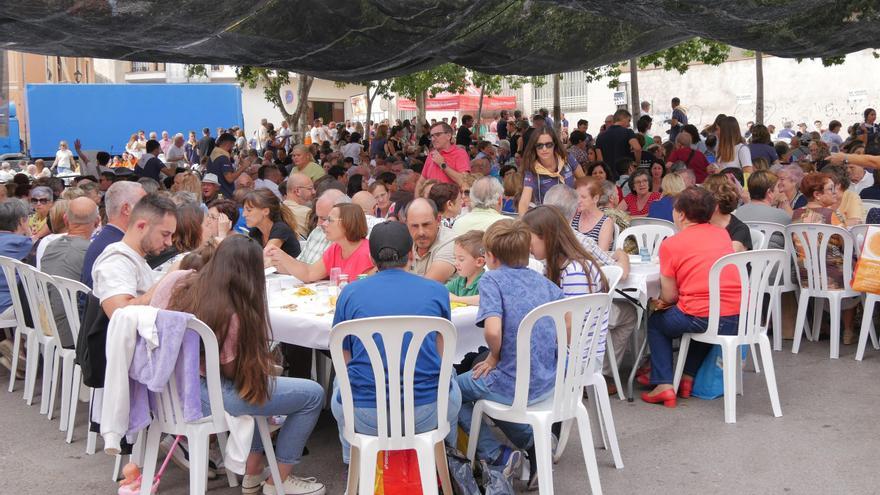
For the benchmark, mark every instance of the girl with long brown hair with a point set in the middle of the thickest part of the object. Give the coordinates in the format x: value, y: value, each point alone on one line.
x: 545, y: 164
x: 732, y: 150
x: 270, y: 222
x: 229, y: 295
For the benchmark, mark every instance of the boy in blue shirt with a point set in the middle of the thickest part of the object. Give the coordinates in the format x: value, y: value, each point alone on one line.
x: 393, y: 292
x: 509, y: 291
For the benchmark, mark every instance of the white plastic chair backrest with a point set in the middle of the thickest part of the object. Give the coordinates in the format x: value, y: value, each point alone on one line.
x: 43, y: 305
x: 858, y: 232
x: 70, y: 290
x: 10, y: 270
x: 768, y: 229
x: 572, y: 362
x: 616, y: 232
x: 759, y: 241
x: 169, y: 410
x: 757, y: 272
x: 649, y: 236
x: 392, y: 409
x: 613, y: 274
x: 814, y: 239
x: 38, y: 306
x: 867, y: 204
x: 638, y: 221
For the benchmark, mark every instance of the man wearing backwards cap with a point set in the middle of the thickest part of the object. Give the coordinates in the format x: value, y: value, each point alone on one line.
x: 392, y: 291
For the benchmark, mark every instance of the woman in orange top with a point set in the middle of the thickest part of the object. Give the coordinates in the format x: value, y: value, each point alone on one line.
x: 683, y: 306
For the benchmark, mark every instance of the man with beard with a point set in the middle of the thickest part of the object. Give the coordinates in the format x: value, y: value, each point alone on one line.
x: 121, y: 275
x: 432, y: 254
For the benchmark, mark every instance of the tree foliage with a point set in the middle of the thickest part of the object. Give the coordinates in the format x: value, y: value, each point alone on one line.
x: 446, y: 77
x: 680, y: 56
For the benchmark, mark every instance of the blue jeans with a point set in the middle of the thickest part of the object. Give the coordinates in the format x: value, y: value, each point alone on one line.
x: 425, y: 416
x: 299, y: 399
x: 488, y: 446
x: 667, y: 325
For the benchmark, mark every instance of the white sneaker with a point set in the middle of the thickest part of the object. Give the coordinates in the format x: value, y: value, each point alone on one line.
x: 294, y: 485
x: 252, y: 483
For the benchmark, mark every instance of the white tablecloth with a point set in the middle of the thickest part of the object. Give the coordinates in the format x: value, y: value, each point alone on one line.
x: 309, y: 325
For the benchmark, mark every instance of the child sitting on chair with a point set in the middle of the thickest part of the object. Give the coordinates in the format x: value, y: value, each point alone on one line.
x: 508, y: 292
x: 469, y: 263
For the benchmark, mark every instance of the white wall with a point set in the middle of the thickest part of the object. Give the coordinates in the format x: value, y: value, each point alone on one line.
x: 255, y: 107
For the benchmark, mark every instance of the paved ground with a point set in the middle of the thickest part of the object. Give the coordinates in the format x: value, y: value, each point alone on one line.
x: 826, y: 441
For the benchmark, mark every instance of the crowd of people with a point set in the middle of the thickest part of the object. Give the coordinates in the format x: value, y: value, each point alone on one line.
x: 440, y: 215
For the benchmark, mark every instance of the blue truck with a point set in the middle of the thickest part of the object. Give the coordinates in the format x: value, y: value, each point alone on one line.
x: 104, y: 116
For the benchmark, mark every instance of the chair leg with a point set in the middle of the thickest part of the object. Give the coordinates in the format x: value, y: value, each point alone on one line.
x: 867, y: 327
x: 834, y: 308
x: 754, y: 358
x: 427, y: 467
x: 564, y: 433
x: 353, y: 469
x: 198, y: 463
x: 74, y: 401
x: 818, y: 310
x: 589, y: 454
x: 615, y: 372
x: 48, y: 367
x: 66, y: 390
x: 730, y: 358
x: 544, y: 456
x: 117, y: 465
x: 16, y: 348
x: 474, y: 434
x: 770, y: 375
x: 31, y: 365
x: 263, y: 428
x: 597, y: 418
x: 679, y: 364
x: 776, y: 315
x: 91, y: 436
x: 230, y: 476
x: 607, y: 422
x: 803, y: 300
x: 53, y: 391
x: 367, y: 470
x: 154, y: 435
x: 443, y: 467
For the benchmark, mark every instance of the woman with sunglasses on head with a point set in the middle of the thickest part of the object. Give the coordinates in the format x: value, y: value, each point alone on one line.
x: 545, y: 164
x: 346, y: 228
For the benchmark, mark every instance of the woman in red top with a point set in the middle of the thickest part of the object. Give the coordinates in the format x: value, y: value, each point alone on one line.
x: 639, y: 200
x: 346, y: 228
x: 683, y: 306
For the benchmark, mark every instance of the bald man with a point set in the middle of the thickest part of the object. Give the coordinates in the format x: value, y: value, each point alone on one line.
x: 432, y: 254
x: 317, y: 241
x: 65, y: 256
x: 299, y: 196
x: 367, y: 202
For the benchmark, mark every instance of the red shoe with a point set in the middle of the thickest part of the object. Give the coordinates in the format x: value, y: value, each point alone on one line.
x: 685, y: 387
x: 644, y: 380
x: 667, y: 397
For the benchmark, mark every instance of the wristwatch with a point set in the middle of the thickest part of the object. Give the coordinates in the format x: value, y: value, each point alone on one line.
x: 443, y: 165
x: 845, y: 160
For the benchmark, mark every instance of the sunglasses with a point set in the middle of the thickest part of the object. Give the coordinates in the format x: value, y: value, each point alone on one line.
x: 40, y: 201
x: 437, y: 134
x: 539, y: 146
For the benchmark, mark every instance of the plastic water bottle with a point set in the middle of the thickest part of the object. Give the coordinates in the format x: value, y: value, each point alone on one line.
x: 334, y: 276
x: 645, y: 254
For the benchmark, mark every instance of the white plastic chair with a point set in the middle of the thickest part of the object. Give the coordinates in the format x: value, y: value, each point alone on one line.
x: 38, y: 341
x: 168, y: 418
x: 395, y: 410
x: 573, y: 366
x: 10, y: 269
x: 759, y: 240
x: 814, y: 240
x: 639, y: 221
x: 756, y: 270
x: 867, y: 204
x: 769, y: 229
x: 70, y: 291
x: 599, y: 394
x: 858, y: 232
x: 646, y: 236
x: 867, y: 327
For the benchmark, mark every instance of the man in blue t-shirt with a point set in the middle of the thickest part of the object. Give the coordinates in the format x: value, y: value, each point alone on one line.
x: 393, y: 292
x: 220, y: 164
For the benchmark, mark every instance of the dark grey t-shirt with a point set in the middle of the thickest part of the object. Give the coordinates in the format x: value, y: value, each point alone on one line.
x: 63, y: 258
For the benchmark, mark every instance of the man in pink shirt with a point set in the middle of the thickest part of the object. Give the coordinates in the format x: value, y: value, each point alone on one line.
x: 446, y: 162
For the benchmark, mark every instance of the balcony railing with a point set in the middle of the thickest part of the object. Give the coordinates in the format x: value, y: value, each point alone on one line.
x: 147, y: 67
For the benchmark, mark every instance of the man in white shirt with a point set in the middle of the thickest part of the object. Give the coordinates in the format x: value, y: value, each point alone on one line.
x: 367, y: 202
x: 859, y: 178
x: 319, y: 132
x: 285, y: 135
x: 175, y: 155
x: 121, y: 275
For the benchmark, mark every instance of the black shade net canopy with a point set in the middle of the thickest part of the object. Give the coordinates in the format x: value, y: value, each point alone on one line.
x: 357, y: 40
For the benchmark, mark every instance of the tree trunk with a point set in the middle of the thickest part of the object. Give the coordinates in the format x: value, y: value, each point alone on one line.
x: 634, y: 90
x: 480, y: 112
x: 759, y: 90
x: 421, y: 112
x: 557, y: 108
x: 369, y: 108
x: 298, y: 119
